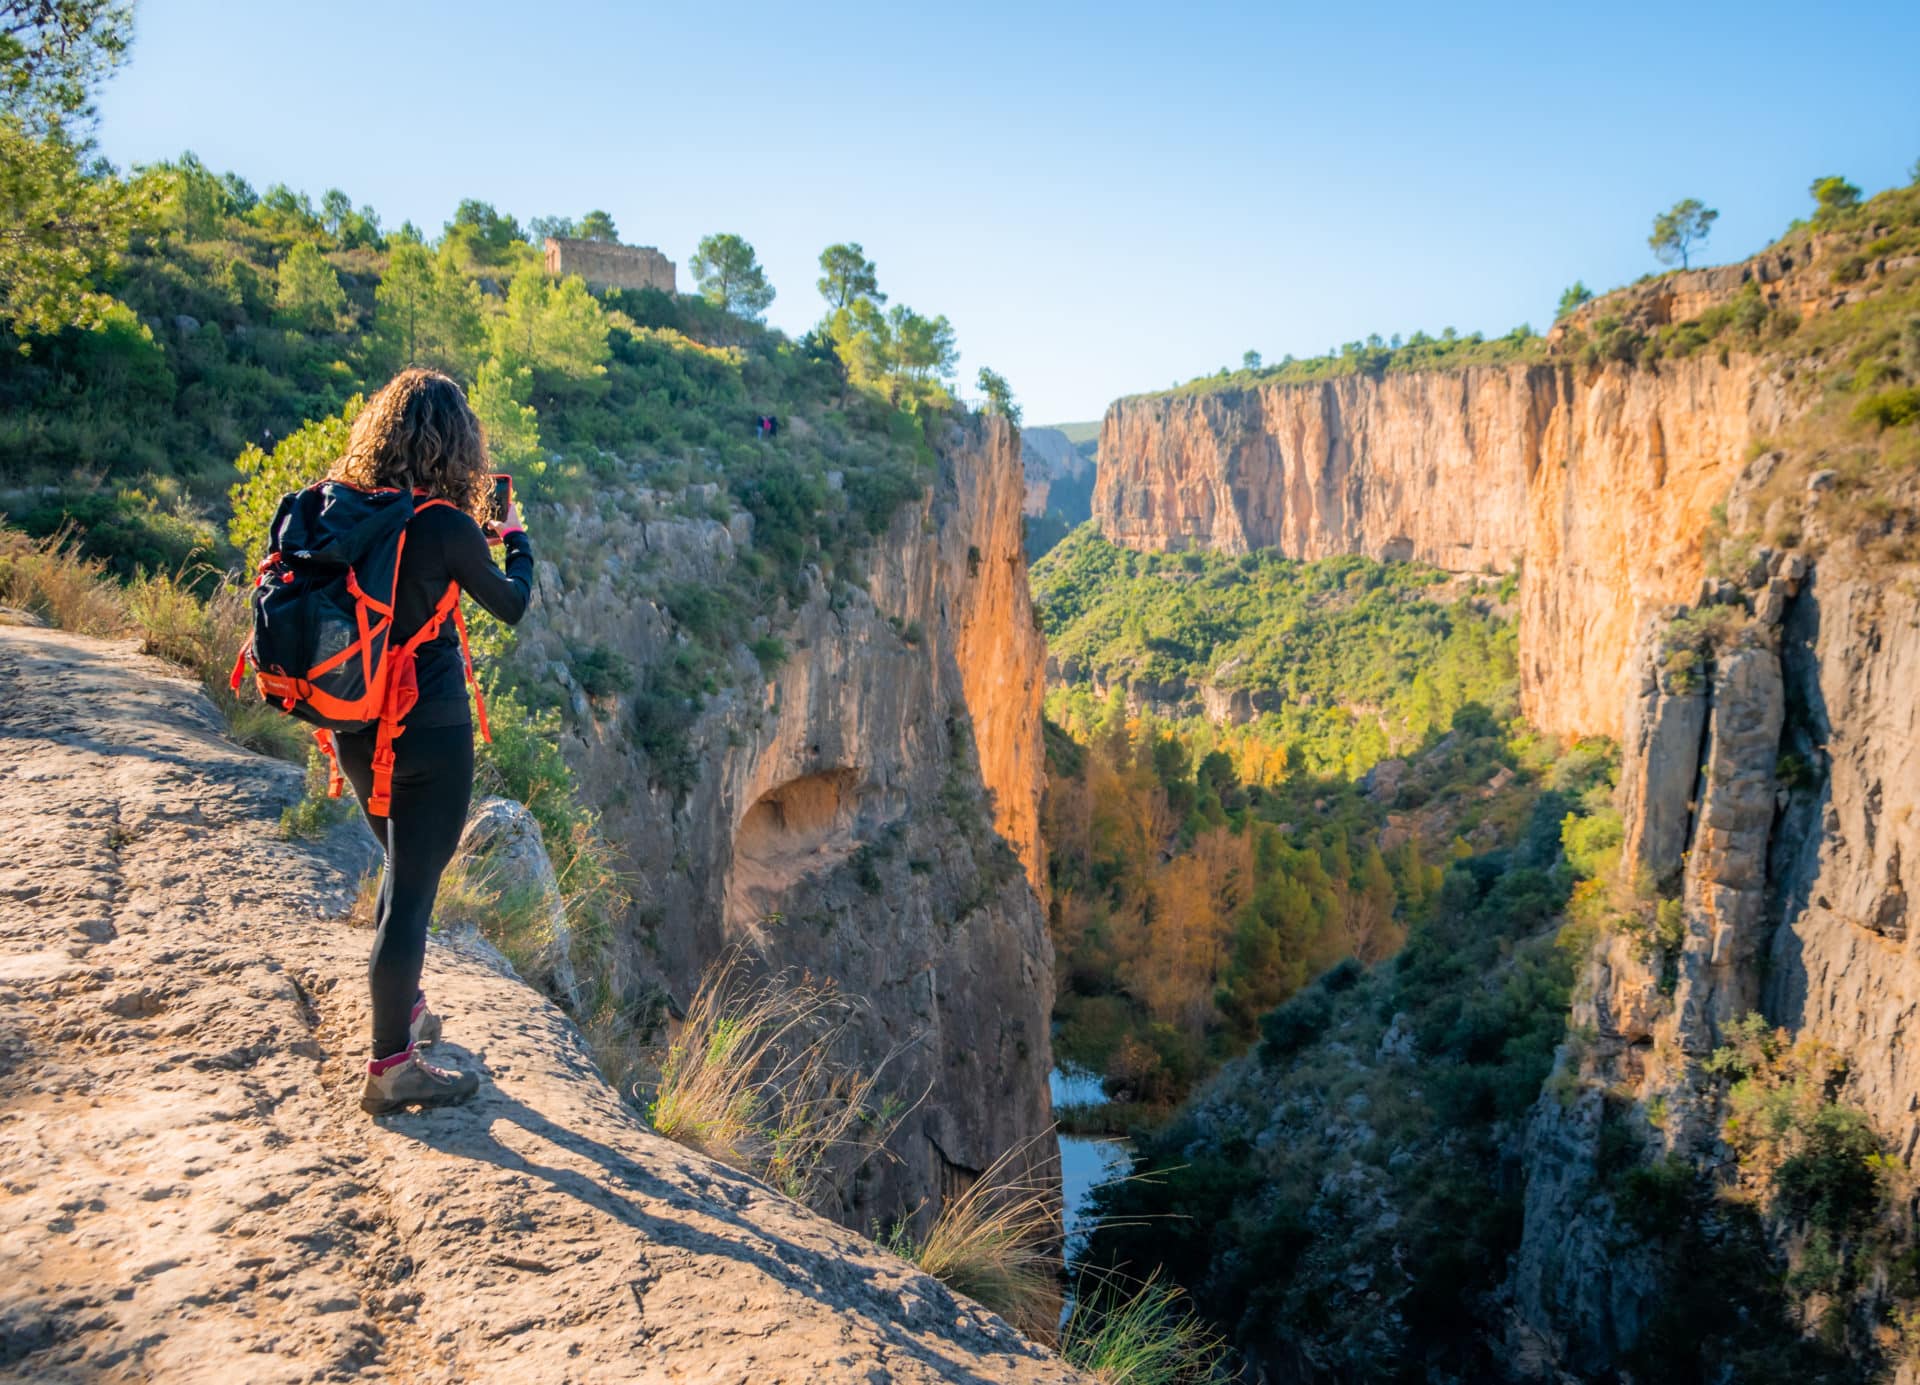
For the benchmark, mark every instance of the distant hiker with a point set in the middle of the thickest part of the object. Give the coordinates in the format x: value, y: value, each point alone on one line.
x: 398, y: 517
x: 773, y: 426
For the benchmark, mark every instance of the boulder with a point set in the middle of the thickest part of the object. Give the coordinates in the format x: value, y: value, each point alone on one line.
x: 503, y: 839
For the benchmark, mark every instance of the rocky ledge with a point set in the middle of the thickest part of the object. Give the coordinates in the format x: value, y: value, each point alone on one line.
x: 189, y: 1192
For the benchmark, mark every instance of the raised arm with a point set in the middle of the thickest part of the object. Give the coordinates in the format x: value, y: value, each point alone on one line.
x: 470, y: 563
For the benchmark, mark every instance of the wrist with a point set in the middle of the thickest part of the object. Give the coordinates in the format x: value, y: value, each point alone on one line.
x: 509, y: 530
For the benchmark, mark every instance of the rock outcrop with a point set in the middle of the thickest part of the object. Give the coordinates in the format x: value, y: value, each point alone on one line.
x: 191, y: 1193
x: 1776, y: 804
x: 867, y: 811
x: 1596, y: 482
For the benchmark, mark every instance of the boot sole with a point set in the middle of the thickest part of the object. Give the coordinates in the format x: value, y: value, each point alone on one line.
x: 377, y: 1106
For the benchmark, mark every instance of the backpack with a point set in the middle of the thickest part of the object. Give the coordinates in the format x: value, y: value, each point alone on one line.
x: 323, y: 601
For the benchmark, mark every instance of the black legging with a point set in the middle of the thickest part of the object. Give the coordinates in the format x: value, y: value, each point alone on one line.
x: 432, y: 783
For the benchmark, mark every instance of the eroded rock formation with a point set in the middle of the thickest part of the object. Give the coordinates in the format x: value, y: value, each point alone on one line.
x: 867, y: 812
x: 1774, y: 803
x: 1596, y: 482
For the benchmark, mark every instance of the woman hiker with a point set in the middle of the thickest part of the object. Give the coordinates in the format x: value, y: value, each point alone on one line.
x: 418, y: 433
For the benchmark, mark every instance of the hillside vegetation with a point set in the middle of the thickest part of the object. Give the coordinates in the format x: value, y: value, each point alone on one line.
x: 1203, y: 872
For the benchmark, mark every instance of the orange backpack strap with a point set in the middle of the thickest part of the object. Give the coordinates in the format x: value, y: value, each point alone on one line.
x: 400, y: 673
x: 335, y: 780
x: 466, y: 658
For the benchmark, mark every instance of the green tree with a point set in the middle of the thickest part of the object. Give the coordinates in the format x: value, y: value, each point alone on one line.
x: 861, y: 340
x: 729, y: 274
x: 335, y: 208
x: 482, y: 236
x: 499, y: 400
x: 1677, y: 230
x: 999, y: 394
x: 186, y: 196
x: 53, y: 53
x: 1576, y: 294
x: 309, y: 295
x: 1249, y: 360
x: 921, y: 354
x: 1833, y: 195
x: 297, y: 460
x: 456, y: 328
x: 597, y: 225
x: 361, y: 228
x: 285, y: 214
x: 61, y: 225
x: 62, y: 221
x: 550, y: 328
x: 403, y: 301
x: 846, y: 274
x: 426, y: 311
x: 559, y: 227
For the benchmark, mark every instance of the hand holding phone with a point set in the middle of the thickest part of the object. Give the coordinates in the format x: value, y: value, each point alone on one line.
x: 503, y: 512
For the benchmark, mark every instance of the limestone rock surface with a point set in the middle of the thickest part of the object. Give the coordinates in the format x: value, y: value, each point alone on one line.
x: 1596, y: 483
x: 189, y: 1192
x: 866, y: 810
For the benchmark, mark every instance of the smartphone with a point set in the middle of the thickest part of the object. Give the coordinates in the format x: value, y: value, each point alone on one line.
x: 502, y: 497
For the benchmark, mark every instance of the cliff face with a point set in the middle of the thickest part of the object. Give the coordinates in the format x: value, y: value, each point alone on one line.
x: 1596, y: 482
x: 1793, y: 878
x: 867, y: 812
x: 191, y: 1192
x: 1051, y: 458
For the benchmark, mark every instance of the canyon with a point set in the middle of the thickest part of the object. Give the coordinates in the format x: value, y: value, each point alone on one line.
x: 1596, y: 485
x: 1596, y: 482
x: 865, y: 813
x: 1691, y: 588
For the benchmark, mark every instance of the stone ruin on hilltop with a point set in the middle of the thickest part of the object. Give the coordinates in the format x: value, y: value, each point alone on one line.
x: 610, y: 265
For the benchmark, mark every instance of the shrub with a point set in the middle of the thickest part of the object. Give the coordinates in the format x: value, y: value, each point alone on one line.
x: 1288, y: 1028
x: 602, y: 672
x: 315, y: 814
x: 1889, y: 408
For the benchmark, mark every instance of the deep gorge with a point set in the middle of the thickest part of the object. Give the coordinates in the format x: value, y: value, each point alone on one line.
x: 1697, y: 584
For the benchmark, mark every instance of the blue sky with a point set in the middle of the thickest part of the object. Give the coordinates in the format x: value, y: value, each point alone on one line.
x: 1103, y: 198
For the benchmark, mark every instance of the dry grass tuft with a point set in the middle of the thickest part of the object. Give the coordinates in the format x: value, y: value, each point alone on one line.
x: 999, y: 1241
x: 753, y: 1080
x: 51, y: 578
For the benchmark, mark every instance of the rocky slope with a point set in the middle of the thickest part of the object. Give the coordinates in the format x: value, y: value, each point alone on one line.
x: 191, y: 1194
x: 867, y: 811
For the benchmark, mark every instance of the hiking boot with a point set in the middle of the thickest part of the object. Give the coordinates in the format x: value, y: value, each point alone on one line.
x: 424, y: 1026
x: 407, y: 1079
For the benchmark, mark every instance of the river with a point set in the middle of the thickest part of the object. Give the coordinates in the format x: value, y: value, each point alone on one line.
x: 1085, y: 1161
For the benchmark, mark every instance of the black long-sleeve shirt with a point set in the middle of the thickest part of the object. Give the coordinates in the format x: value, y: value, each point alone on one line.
x: 445, y: 545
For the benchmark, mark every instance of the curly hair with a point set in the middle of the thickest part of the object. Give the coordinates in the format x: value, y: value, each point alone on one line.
x: 418, y: 433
